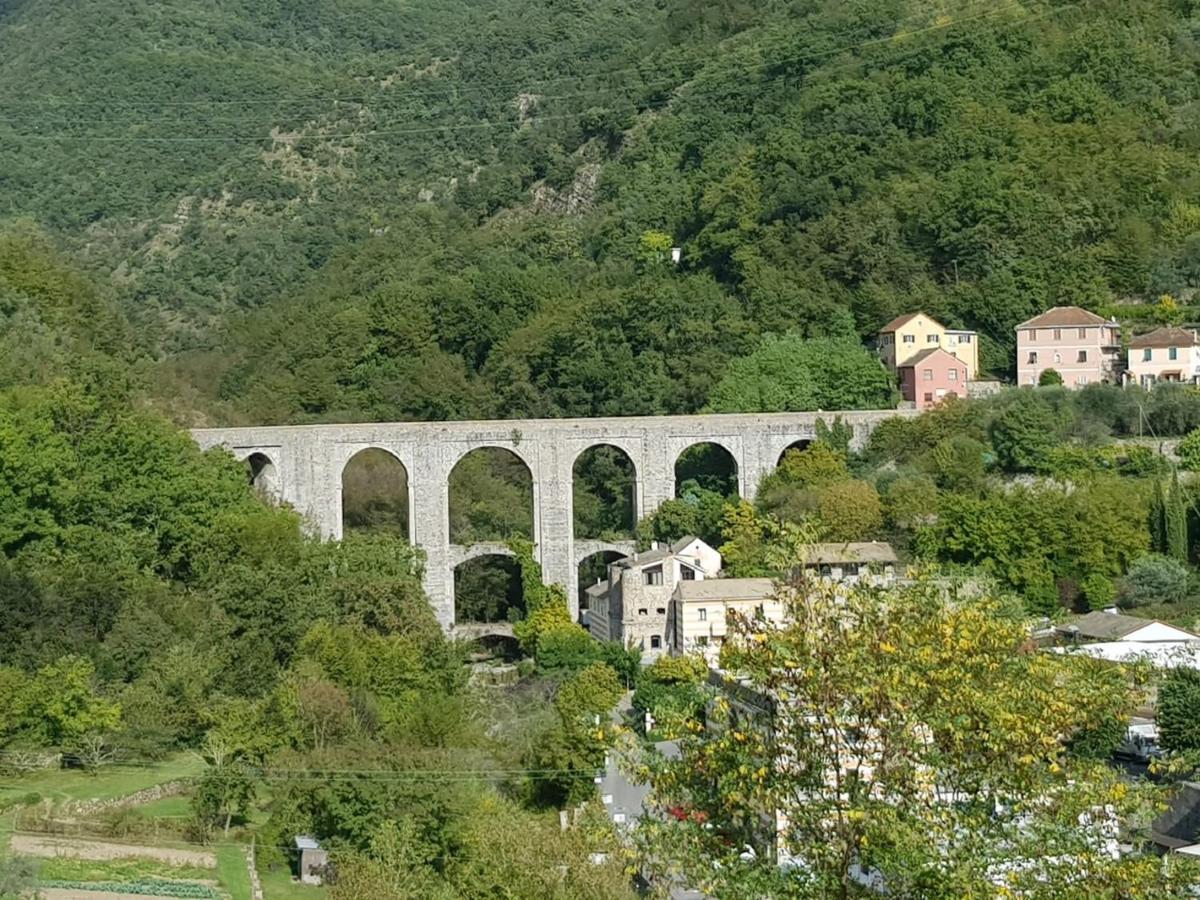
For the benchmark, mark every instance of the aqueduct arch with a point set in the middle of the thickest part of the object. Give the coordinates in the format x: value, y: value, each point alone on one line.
x: 308, y: 461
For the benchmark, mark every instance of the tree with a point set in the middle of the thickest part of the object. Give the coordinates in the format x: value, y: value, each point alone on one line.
x: 791, y: 373
x: 1024, y: 433
x: 1176, y: 522
x: 911, y: 502
x: 1154, y: 579
x: 1178, y: 714
x: 62, y: 706
x: 850, y: 511
x: 816, y: 466
x: 1049, y: 377
x: 225, y: 789
x: 849, y: 728
x: 568, y: 756
x: 1188, y: 451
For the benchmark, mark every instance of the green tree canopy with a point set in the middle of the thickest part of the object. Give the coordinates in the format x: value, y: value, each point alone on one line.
x: 792, y: 373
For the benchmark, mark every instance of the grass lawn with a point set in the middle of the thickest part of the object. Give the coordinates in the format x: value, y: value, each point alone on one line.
x: 167, y: 808
x: 231, y: 872
x: 278, y: 885
x: 110, y: 782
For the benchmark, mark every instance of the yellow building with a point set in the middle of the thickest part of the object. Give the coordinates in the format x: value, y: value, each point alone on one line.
x: 903, y: 338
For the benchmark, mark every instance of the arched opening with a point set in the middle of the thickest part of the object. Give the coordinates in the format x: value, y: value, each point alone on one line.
x: 488, y: 589
x: 262, y: 474
x: 593, y: 569
x: 491, y: 497
x: 706, y: 468
x: 603, y: 485
x: 375, y: 493
x: 793, y: 447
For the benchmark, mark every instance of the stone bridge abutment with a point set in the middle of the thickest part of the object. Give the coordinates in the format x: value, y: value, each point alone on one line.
x: 302, y: 465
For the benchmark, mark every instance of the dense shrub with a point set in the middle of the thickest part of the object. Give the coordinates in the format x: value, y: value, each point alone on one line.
x: 1154, y: 579
x: 1179, y: 710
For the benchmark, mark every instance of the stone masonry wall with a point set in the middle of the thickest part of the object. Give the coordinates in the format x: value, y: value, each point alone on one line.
x: 308, y: 461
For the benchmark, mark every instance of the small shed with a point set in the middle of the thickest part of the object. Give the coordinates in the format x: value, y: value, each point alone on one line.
x: 311, y: 859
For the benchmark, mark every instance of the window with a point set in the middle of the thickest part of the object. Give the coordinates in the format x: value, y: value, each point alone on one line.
x: 660, y: 611
x: 655, y: 642
x: 703, y: 615
x: 1058, y: 334
x: 1146, y: 354
x: 964, y: 339
x: 1082, y: 356
x: 932, y: 338
x: 1082, y: 379
x: 702, y: 641
x: 928, y: 397
x: 1173, y: 354
x: 687, y: 573
x: 910, y: 339
x: 653, y: 576
x: 952, y: 374
x: 927, y: 374
x: 1033, y: 334
x: 1057, y: 358
x: 1032, y: 357
x: 641, y: 612
x: 1083, y: 334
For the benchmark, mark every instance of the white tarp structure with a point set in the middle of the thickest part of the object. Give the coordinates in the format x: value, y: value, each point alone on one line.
x: 1163, y: 654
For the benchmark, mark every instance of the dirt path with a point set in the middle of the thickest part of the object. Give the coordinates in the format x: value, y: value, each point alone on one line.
x: 43, y: 845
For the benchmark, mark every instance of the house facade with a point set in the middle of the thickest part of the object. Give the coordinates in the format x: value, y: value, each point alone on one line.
x: 1165, y: 354
x: 632, y: 605
x: 697, y: 616
x: 1082, y: 347
x: 906, y: 336
x: 873, y: 562
x: 931, y: 376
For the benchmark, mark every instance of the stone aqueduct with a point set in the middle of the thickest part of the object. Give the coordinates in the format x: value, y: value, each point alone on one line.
x: 302, y: 465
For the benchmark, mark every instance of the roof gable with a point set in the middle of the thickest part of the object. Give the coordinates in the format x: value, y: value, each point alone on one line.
x: 901, y: 321
x: 1115, y: 626
x: 1065, y: 317
x: 1165, y: 337
x: 917, y: 358
x: 851, y: 552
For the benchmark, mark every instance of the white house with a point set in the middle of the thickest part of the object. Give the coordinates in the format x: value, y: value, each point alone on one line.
x: 1165, y: 354
x: 696, y: 620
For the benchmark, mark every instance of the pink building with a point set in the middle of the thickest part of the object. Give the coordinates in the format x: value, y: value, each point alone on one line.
x: 1081, y: 346
x: 931, y: 376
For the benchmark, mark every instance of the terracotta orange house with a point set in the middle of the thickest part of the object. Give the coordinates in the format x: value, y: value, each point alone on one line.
x: 931, y: 376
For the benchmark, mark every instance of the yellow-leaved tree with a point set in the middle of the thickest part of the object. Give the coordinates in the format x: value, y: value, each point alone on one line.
x: 900, y: 740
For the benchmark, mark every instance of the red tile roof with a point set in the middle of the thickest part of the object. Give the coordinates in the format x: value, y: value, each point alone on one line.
x: 1166, y: 337
x: 899, y: 322
x: 1064, y: 316
x: 918, y: 358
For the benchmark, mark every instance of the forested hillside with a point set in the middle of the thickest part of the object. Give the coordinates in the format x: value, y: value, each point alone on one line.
x: 309, y: 211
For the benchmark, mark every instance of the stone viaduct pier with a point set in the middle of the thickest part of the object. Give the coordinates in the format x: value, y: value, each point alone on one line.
x: 301, y: 465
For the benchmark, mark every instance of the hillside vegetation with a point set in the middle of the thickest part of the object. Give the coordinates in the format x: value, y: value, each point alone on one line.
x: 313, y: 212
